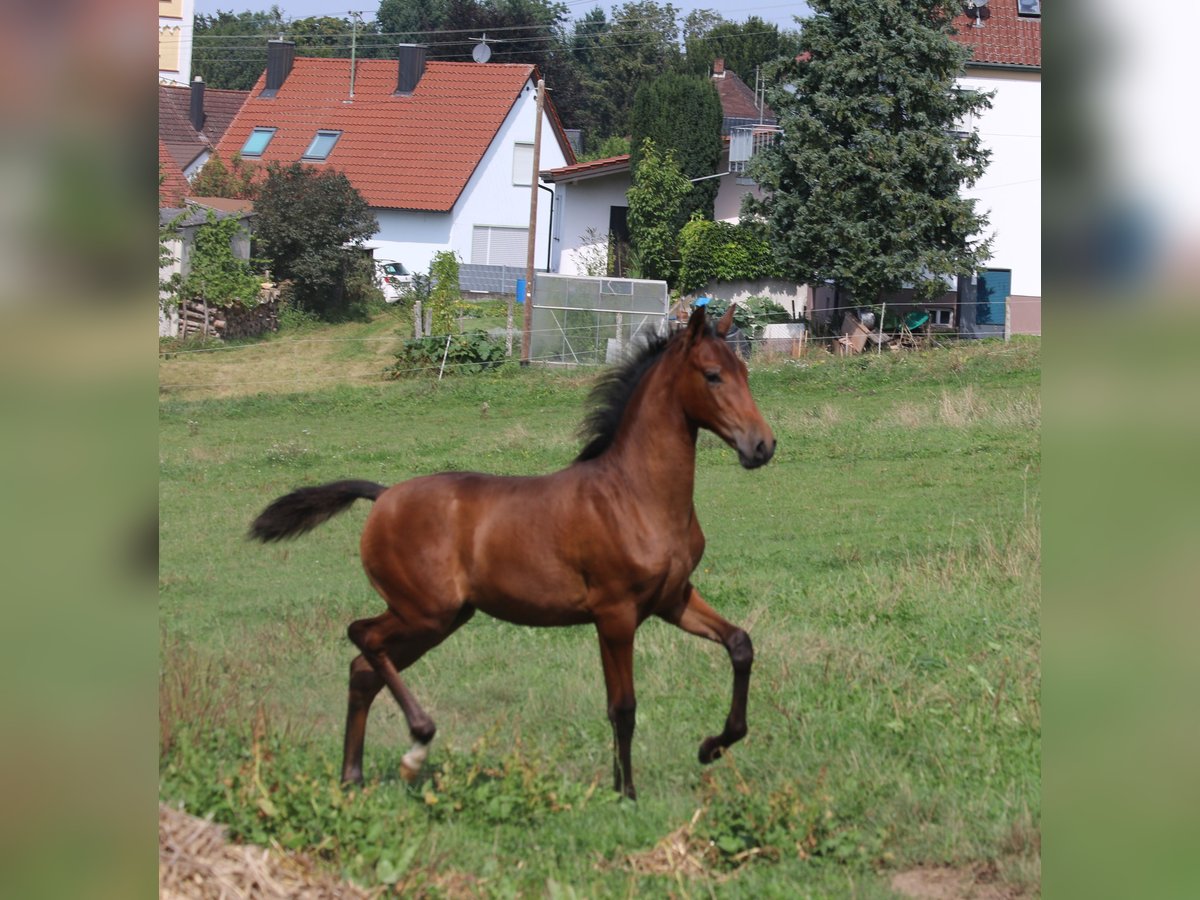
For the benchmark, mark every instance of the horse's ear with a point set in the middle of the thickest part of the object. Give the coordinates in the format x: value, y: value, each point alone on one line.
x: 695, y: 328
x: 725, y: 322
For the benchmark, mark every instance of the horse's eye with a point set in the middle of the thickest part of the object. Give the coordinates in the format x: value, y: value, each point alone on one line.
x: 713, y: 376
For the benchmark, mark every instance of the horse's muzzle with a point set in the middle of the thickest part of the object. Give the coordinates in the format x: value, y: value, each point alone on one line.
x: 758, y: 455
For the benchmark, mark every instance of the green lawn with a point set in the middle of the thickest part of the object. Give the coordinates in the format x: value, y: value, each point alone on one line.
x: 886, y: 563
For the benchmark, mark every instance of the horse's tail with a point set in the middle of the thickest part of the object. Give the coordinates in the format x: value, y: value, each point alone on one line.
x: 304, y: 509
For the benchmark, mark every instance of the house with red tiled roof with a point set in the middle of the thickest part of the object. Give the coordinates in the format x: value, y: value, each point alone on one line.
x: 192, y: 121
x: 172, y: 186
x: 592, y: 196
x: 441, y: 151
x: 1005, y: 37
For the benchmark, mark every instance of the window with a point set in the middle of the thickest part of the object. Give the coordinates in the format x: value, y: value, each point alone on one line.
x: 522, y: 164
x: 322, y: 145
x: 1029, y: 7
x: 257, y: 142
x: 941, y: 318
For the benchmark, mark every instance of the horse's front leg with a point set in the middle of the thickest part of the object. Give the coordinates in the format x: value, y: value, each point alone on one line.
x: 697, y: 617
x: 616, y: 653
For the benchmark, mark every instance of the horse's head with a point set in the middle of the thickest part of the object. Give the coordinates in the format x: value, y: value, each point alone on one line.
x: 716, y: 394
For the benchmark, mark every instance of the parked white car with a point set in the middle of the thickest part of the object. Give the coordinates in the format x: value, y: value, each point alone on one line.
x: 394, y: 279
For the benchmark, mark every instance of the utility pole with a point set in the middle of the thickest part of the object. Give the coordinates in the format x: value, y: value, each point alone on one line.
x: 356, y: 17
x: 527, y: 323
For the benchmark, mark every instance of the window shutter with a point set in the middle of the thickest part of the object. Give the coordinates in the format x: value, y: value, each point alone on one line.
x: 495, y: 246
x: 523, y: 164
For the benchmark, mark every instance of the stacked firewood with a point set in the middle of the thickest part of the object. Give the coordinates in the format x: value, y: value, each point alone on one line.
x: 200, y: 319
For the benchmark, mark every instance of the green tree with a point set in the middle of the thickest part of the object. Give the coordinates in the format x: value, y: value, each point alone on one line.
x: 656, y: 200
x: 445, y: 294
x: 215, y: 274
x: 229, y: 50
x: 864, y: 186
x: 640, y: 44
x: 410, y: 21
x: 681, y: 113
x: 322, y: 36
x: 745, y: 47
x: 235, y: 181
x: 311, y: 223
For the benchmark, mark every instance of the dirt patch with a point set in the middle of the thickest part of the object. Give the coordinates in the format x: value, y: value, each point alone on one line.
x: 196, y: 860
x: 977, y: 882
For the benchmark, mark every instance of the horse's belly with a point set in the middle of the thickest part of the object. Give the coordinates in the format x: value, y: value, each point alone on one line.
x: 527, y: 611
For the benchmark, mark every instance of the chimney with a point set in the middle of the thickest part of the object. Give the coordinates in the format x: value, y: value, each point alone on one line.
x: 719, y: 68
x: 280, y: 56
x: 196, y: 112
x: 412, y: 67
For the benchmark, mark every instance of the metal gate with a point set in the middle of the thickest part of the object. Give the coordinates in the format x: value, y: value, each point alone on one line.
x: 579, y: 320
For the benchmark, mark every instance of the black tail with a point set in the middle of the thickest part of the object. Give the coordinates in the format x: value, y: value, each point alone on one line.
x: 304, y: 509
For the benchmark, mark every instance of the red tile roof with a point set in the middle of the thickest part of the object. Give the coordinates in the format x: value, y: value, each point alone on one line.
x: 412, y: 151
x: 590, y: 169
x: 737, y: 98
x: 1005, y: 38
x: 174, y: 187
x: 175, y: 125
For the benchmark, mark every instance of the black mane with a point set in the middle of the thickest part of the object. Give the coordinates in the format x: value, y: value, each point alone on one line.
x: 611, y: 394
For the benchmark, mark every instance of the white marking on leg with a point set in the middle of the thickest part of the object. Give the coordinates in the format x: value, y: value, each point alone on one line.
x: 410, y: 764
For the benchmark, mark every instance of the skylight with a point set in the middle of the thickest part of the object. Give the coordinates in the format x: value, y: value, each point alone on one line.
x: 257, y: 142
x: 322, y: 144
x: 1029, y: 7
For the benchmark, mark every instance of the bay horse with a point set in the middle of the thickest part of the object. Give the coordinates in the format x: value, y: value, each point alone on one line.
x: 610, y: 540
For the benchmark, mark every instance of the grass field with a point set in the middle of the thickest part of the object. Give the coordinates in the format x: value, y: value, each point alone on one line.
x: 886, y: 563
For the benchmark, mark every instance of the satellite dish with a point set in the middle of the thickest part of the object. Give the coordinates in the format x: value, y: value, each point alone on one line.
x: 482, y: 52
x: 980, y: 10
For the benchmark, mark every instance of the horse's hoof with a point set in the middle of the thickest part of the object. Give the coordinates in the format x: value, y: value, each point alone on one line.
x: 710, y: 750
x: 412, y: 761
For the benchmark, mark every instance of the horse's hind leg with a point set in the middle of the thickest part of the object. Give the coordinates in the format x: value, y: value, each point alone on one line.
x: 697, y: 617
x: 364, y: 685
x: 387, y: 648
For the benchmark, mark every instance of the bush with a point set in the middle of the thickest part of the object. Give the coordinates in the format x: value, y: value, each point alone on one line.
x: 721, y: 251
x: 469, y: 352
x: 752, y: 315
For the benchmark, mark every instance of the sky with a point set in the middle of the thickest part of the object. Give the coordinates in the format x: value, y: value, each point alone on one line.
x: 780, y: 13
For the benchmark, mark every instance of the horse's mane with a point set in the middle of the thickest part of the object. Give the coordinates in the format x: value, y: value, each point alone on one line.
x: 610, y: 396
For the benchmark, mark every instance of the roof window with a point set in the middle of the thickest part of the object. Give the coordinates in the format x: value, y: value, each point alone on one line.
x: 322, y: 145
x: 1029, y: 7
x: 257, y: 142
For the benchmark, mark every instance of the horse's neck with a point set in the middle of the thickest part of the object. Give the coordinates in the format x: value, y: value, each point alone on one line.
x: 655, y: 448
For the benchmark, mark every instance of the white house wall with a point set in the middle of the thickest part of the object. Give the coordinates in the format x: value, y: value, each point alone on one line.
x: 490, y: 198
x: 586, y: 205
x: 1010, y: 191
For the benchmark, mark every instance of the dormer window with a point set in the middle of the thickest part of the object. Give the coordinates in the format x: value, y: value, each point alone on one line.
x: 1029, y: 7
x: 257, y: 142
x: 322, y: 145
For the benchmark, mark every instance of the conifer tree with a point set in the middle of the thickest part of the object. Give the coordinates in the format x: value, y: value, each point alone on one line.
x: 864, y: 186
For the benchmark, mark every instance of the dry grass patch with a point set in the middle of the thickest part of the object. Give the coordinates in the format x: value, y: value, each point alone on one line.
x: 196, y: 860
x: 681, y: 854
x: 278, y: 366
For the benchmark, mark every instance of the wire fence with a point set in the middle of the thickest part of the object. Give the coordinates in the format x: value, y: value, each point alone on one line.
x: 757, y: 347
